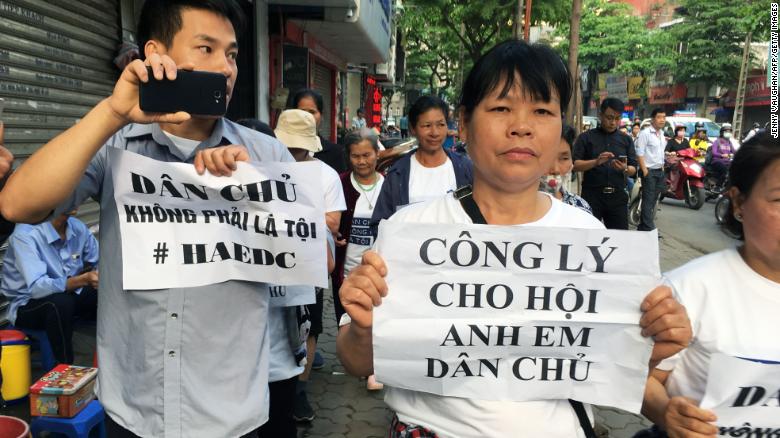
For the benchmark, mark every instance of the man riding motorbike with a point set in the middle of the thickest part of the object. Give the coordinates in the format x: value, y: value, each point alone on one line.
x: 699, y: 140
x: 722, y: 151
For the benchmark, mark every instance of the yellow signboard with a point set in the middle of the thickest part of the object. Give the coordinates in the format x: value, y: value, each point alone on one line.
x: 635, y: 85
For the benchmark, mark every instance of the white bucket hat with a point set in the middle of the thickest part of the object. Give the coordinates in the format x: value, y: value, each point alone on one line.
x: 297, y: 129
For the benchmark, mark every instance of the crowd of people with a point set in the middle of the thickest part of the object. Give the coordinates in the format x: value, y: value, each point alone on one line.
x: 163, y: 374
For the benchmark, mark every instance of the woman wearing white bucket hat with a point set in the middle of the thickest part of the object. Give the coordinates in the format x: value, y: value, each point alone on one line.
x: 297, y: 129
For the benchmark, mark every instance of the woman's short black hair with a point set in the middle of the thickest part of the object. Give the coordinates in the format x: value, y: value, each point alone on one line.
x: 542, y: 71
x: 616, y: 104
x: 161, y: 19
x: 356, y: 137
x: 750, y: 161
x: 424, y: 104
x: 258, y: 126
x: 568, y: 134
x: 304, y: 93
x: 636, y: 124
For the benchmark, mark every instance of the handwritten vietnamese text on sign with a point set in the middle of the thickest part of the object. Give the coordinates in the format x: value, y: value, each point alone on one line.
x: 515, y: 313
x: 265, y: 223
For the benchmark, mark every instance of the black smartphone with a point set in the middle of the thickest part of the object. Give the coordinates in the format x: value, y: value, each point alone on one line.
x: 623, y: 159
x: 196, y: 92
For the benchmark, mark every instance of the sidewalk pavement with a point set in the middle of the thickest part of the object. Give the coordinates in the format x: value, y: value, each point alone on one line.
x: 345, y: 409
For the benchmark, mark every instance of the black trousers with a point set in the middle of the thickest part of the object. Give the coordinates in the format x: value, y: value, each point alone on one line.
x: 721, y: 171
x: 55, y: 314
x: 652, y: 186
x: 611, y: 208
x: 281, y: 423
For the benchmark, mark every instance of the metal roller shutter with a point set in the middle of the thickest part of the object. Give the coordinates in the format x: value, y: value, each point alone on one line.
x: 323, y: 83
x: 55, y: 65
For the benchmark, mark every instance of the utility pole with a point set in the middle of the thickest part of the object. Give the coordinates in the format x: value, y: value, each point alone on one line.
x: 527, y: 21
x: 574, y: 47
x: 739, y: 103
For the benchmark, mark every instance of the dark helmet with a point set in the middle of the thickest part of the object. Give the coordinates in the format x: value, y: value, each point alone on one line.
x: 756, y: 125
x: 700, y: 126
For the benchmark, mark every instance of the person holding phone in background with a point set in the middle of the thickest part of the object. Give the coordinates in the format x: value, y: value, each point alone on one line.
x: 160, y: 372
x: 608, y: 158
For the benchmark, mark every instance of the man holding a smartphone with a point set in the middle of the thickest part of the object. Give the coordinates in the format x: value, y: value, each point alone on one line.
x: 173, y: 362
x: 608, y: 158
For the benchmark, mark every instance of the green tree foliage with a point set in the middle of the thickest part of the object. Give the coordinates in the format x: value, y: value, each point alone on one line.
x: 443, y: 38
x: 432, y: 54
x: 714, y: 32
x: 614, y: 41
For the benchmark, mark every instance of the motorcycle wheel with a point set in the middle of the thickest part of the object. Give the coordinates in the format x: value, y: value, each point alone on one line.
x: 694, y: 197
x: 634, y: 211
x: 722, y: 209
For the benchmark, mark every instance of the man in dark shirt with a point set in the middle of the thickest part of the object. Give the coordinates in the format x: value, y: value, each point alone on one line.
x: 607, y: 157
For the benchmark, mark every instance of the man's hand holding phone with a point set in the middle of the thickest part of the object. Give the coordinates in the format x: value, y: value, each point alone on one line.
x: 124, y: 101
x: 620, y: 163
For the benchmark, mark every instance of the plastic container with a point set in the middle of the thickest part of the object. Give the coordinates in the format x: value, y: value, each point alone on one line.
x: 12, y: 427
x: 63, y: 392
x: 15, y: 364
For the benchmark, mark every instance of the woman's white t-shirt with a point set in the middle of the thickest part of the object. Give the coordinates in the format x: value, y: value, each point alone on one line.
x: 360, y: 238
x: 426, y: 183
x: 334, y: 193
x: 282, y: 364
x: 471, y: 418
x: 733, y: 310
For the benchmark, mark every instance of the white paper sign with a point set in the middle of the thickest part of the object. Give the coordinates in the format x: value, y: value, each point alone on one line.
x: 515, y: 313
x: 286, y: 296
x: 745, y: 396
x: 265, y: 223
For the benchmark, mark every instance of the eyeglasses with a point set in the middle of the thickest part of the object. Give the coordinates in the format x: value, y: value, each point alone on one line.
x: 611, y: 118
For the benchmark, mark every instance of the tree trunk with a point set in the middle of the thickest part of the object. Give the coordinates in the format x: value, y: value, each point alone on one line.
x: 704, y: 100
x: 574, y: 47
x: 519, y: 20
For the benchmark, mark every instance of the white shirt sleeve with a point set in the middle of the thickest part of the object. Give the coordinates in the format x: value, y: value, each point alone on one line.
x: 334, y: 194
x: 641, y: 143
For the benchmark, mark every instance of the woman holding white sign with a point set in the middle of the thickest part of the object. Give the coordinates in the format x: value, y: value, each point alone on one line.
x: 510, y: 114
x: 361, y: 188
x: 732, y: 296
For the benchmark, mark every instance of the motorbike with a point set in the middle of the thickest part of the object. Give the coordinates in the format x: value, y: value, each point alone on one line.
x: 635, y: 203
x: 713, y: 186
x: 722, y: 209
x: 685, y: 178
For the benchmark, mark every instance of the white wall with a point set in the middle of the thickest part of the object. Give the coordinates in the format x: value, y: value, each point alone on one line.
x: 352, y: 100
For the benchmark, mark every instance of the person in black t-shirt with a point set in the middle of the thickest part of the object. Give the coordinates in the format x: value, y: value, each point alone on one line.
x: 331, y: 154
x: 678, y: 142
x: 607, y: 157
